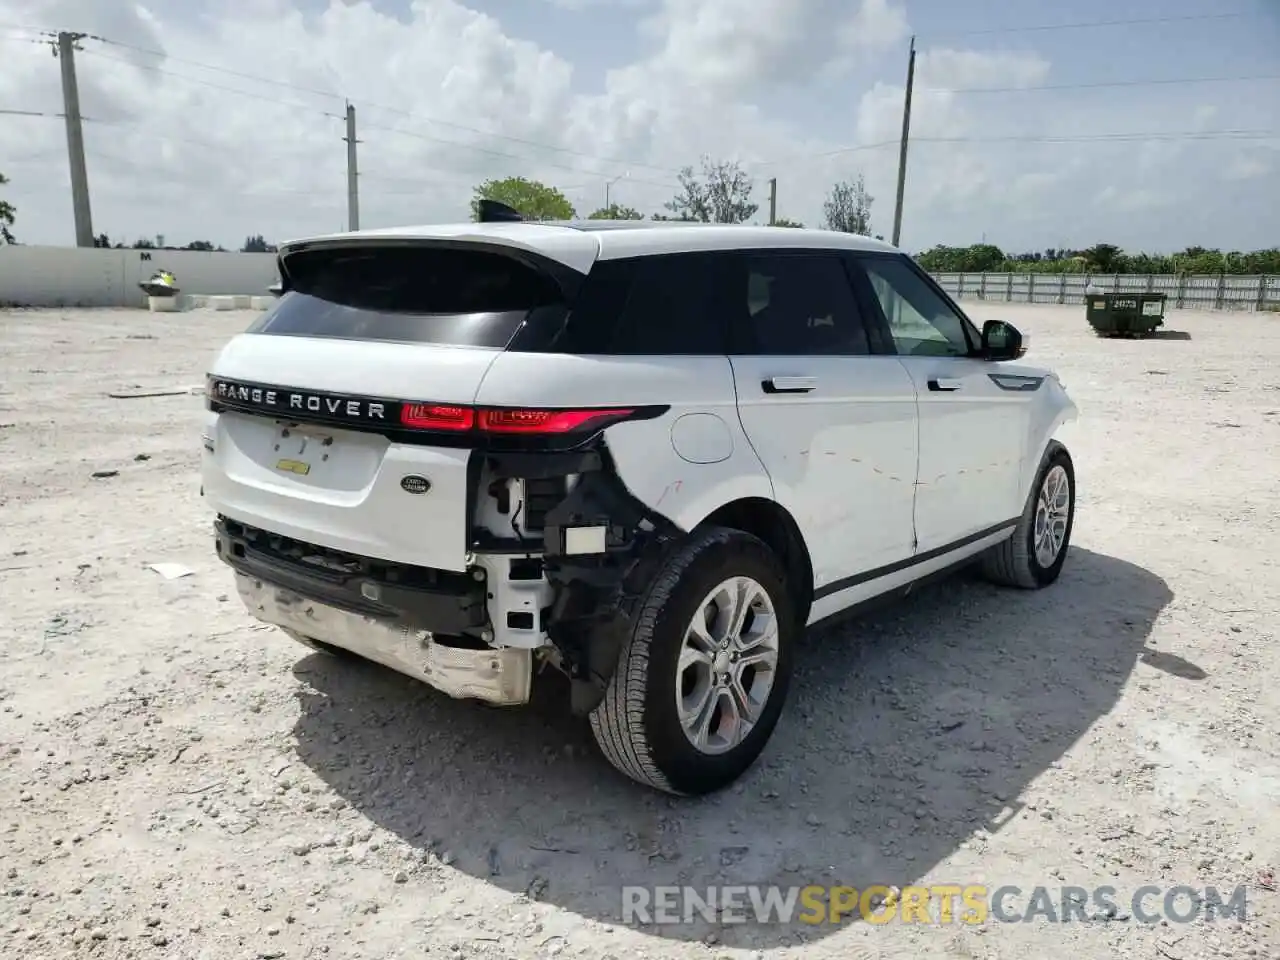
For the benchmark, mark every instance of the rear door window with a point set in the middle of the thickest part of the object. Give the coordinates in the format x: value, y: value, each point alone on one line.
x: 411, y: 294
x: 799, y: 305
x: 666, y: 305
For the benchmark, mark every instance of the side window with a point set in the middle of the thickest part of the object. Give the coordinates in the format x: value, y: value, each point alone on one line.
x: 920, y: 322
x: 647, y: 306
x: 800, y: 305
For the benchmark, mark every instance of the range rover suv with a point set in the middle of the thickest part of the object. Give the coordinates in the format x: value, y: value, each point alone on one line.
x: 647, y: 455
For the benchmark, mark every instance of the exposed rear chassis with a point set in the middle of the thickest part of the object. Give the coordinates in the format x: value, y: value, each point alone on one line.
x: 438, y: 626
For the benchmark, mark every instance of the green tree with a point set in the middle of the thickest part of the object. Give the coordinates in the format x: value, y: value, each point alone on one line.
x: 1104, y: 258
x: 848, y: 207
x: 203, y: 245
x: 784, y: 222
x: 721, y: 194
x: 1101, y: 258
x: 615, y: 211
x: 8, y: 213
x: 257, y: 244
x: 973, y: 259
x: 534, y: 200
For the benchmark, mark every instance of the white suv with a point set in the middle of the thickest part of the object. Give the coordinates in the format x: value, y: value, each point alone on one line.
x: 646, y: 454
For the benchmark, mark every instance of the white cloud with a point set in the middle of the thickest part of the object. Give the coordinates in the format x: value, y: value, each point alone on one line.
x: 1135, y: 200
x: 448, y: 96
x: 1248, y: 166
x: 732, y: 45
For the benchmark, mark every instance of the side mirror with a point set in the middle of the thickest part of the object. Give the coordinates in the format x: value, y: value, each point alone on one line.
x: 1001, y: 341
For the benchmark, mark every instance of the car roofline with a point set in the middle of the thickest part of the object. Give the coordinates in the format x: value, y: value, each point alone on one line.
x: 610, y: 236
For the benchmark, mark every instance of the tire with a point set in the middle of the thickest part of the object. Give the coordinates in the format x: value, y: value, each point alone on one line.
x: 1015, y: 563
x: 638, y: 723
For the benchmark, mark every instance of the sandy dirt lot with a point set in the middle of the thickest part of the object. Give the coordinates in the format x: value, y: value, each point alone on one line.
x: 176, y: 782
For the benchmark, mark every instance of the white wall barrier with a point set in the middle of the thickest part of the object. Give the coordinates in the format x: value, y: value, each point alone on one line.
x: 96, y: 277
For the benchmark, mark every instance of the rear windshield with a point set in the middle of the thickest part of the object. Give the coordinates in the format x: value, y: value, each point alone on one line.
x: 471, y: 298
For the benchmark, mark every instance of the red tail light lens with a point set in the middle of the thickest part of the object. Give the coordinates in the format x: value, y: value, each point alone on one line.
x: 547, y: 421
x: 431, y: 416
x: 446, y: 417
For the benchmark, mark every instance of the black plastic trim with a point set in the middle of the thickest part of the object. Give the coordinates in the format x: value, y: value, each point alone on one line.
x: 867, y: 576
x: 441, y: 601
x: 1016, y: 383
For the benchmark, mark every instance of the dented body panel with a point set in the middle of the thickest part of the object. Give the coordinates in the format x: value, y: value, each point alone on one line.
x: 382, y: 483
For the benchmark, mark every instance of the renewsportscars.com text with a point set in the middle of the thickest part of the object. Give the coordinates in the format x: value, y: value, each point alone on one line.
x: 933, y: 904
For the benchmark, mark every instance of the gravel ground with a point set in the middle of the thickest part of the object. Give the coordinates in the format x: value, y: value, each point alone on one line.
x: 177, y: 782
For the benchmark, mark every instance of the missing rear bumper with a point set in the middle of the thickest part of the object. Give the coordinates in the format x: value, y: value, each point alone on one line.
x: 502, y: 677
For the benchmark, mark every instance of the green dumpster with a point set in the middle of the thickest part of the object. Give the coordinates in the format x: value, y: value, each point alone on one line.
x: 1124, y: 314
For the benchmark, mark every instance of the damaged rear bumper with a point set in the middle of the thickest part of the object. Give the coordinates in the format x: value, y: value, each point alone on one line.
x: 423, y: 623
x: 502, y: 677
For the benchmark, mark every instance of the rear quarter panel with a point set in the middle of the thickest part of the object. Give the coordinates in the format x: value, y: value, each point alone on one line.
x: 684, y: 464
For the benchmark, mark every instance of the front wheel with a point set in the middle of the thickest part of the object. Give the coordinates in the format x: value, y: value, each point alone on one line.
x: 1033, y: 556
x: 702, y: 677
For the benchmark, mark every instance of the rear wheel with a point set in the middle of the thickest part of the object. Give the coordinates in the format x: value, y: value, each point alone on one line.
x: 1033, y: 556
x: 702, y: 678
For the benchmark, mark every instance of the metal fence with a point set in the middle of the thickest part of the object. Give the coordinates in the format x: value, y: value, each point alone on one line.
x: 1192, y: 292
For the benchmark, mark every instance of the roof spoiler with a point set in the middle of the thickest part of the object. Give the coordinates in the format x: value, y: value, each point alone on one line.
x: 491, y: 211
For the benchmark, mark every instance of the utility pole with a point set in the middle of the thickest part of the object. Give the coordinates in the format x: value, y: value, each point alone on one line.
x: 65, y: 52
x: 353, y: 190
x: 609, y: 183
x: 773, y: 201
x: 902, y: 150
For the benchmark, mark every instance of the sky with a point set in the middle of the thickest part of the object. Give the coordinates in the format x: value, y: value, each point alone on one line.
x: 1150, y: 124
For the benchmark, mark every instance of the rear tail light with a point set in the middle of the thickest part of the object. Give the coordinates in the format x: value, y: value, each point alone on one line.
x: 425, y: 416
x: 548, y: 421
x: 434, y: 416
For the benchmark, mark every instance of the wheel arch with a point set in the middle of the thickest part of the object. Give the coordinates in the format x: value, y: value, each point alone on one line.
x: 774, y: 524
x: 1052, y: 421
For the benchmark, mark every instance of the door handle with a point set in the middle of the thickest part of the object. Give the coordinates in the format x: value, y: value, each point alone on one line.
x: 942, y: 385
x: 789, y: 384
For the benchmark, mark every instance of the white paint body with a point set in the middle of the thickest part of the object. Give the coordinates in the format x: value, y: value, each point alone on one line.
x: 886, y: 480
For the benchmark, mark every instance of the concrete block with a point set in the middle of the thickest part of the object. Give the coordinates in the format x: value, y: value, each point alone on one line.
x: 163, y: 304
x: 243, y: 301
x: 222, y: 303
x: 261, y: 303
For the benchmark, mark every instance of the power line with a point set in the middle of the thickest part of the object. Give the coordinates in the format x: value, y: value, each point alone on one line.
x: 797, y: 157
x: 621, y: 161
x: 1115, y: 137
x: 257, y: 78
x: 30, y: 113
x: 175, y: 177
x: 1147, y: 137
x: 143, y: 132
x: 1092, y: 24
x: 1102, y: 85
x: 366, y: 103
x: 510, y: 156
x: 293, y: 104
